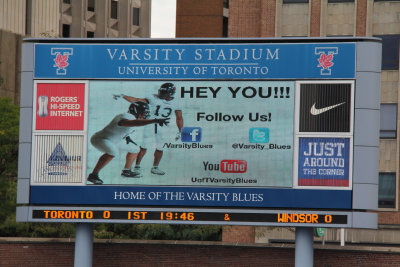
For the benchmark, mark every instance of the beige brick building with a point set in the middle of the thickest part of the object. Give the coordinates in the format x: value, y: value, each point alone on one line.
x: 327, y: 18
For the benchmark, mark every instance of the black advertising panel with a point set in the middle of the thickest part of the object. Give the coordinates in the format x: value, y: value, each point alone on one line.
x: 325, y: 107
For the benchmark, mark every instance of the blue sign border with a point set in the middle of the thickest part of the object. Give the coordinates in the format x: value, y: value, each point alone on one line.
x: 272, y: 198
x: 195, y: 61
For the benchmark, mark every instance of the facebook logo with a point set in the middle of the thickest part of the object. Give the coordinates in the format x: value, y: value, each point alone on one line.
x: 259, y: 135
x: 191, y: 134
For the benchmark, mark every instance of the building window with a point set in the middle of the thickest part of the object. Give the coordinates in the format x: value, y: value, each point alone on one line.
x: 387, y: 190
x: 226, y: 3
x: 90, y: 5
x: 135, y: 16
x: 114, y: 9
x: 388, y: 127
x: 339, y: 1
x: 390, y: 51
x: 66, y: 30
x: 90, y: 34
x: 294, y: 1
x: 225, y: 27
x: 67, y: 1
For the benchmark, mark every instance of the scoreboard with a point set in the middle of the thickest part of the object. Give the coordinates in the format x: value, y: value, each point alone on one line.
x: 194, y: 216
x: 258, y: 132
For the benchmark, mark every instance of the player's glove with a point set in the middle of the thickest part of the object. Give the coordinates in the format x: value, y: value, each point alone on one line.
x: 178, y: 136
x: 129, y: 140
x: 162, y: 122
x: 116, y: 97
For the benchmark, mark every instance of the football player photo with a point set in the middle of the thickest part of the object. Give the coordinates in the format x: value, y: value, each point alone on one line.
x: 115, y: 137
x: 161, y: 105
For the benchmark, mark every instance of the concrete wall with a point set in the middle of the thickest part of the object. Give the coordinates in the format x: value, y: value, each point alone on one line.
x: 386, y: 17
x: 10, y: 67
x: 36, y: 18
x: 12, y: 15
x: 340, y: 19
x: 389, y: 85
x: 387, y: 155
x: 295, y: 20
x: 43, y: 18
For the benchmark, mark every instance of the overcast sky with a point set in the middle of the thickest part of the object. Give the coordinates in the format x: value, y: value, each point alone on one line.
x: 163, y: 18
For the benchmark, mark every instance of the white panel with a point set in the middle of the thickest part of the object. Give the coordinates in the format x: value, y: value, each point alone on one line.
x: 57, y: 159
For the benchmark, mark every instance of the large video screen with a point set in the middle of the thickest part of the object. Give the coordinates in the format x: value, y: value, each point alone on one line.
x: 216, y: 133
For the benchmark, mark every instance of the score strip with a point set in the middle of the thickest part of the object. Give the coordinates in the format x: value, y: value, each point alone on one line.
x: 191, y: 216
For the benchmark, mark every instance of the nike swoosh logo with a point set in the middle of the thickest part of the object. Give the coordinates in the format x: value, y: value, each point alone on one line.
x: 317, y: 111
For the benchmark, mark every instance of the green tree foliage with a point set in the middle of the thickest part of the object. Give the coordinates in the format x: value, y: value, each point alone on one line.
x: 9, y: 118
x: 9, y: 126
x: 9, y: 130
x: 159, y: 232
x: 1, y: 79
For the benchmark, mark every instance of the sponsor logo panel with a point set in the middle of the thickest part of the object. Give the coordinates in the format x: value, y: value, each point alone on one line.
x: 325, y: 107
x: 60, y: 106
x: 324, y: 161
x: 58, y: 159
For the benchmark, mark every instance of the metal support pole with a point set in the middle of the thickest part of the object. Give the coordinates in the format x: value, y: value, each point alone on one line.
x: 342, y: 238
x: 304, y: 250
x: 83, y: 245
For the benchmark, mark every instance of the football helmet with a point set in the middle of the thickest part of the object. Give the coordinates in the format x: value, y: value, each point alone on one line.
x: 167, y: 90
x: 139, y: 108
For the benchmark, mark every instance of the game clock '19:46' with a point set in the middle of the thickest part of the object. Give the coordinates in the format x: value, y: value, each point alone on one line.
x: 185, y: 216
x: 169, y: 216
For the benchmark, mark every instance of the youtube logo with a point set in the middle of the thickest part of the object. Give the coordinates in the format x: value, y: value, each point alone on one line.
x: 233, y: 166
